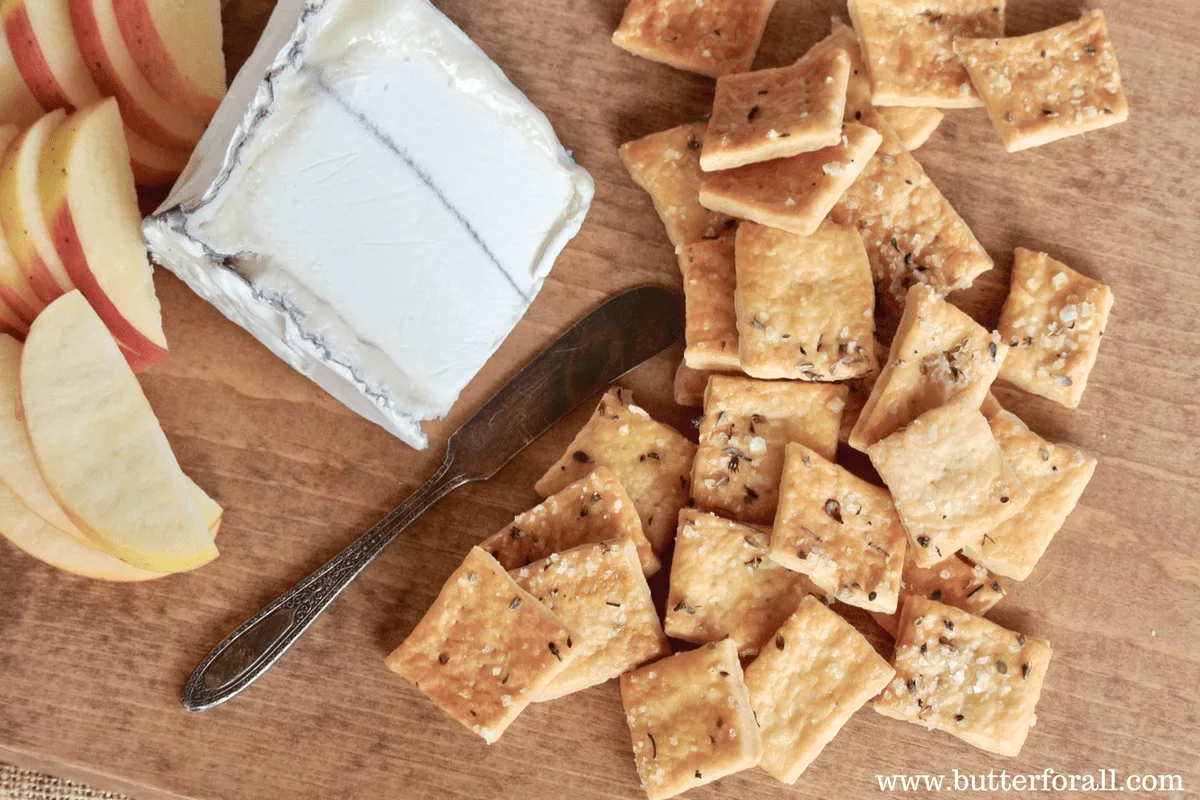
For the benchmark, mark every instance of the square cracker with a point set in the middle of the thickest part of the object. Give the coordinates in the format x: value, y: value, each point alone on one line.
x: 652, y: 461
x: 723, y: 585
x: 912, y: 233
x: 908, y: 48
x: 1055, y: 475
x: 485, y: 648
x: 1049, y: 85
x: 777, y: 113
x: 839, y: 530
x: 858, y: 390
x: 966, y: 676
x: 955, y: 582
x: 709, y: 281
x: 690, y: 720
x: 913, y: 124
x: 805, y: 304
x: 939, y: 354
x: 690, y: 385
x: 949, y: 478
x: 713, y: 38
x: 807, y: 684
x: 795, y: 193
x: 1053, y: 320
x: 593, y: 509
x: 745, y: 426
x: 667, y: 165
x: 598, y: 591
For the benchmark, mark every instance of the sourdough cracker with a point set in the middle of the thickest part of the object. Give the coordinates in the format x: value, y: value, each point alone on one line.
x: 690, y: 720
x: 839, y: 530
x: 949, y: 478
x: 807, y: 683
x: 857, y: 392
x: 805, y: 304
x: 966, y: 676
x: 1055, y: 475
x: 709, y: 280
x: 1048, y: 85
x: 593, y: 509
x: 955, y: 582
x: 651, y: 460
x: 939, y: 354
x: 1053, y: 321
x: 858, y: 86
x: 724, y: 586
x: 690, y: 385
x: 713, y: 38
x: 667, y: 166
x: 795, y: 193
x: 485, y: 648
x: 777, y: 113
x: 599, y: 591
x: 913, y: 124
x: 908, y: 48
x: 745, y: 426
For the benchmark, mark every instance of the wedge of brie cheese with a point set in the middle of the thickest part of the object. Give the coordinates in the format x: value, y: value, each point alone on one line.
x: 375, y: 202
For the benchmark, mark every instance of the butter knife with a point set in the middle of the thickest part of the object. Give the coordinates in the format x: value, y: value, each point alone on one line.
x: 601, y: 347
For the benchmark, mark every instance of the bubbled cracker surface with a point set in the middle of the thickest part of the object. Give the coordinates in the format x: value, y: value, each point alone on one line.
x: 745, y: 426
x: 594, y: 509
x: 955, y: 582
x: 714, y: 37
x: 723, y: 584
x: 598, y: 591
x: 667, y: 166
x: 805, y: 304
x: 485, y: 648
x: 807, y: 682
x: 690, y: 720
x: 709, y: 281
x: 652, y: 461
x: 966, y: 676
x: 795, y: 193
x: 841, y: 531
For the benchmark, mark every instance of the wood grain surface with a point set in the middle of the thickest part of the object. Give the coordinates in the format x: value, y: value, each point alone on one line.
x: 90, y: 673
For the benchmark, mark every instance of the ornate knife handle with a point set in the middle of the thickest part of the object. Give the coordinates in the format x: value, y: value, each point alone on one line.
x: 254, y: 647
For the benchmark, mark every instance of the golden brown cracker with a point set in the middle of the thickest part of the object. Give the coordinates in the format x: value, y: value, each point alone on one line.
x: 711, y: 37
x: 709, y: 280
x: 955, y: 582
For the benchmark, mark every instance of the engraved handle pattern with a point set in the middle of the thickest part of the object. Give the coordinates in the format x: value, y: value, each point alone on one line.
x: 254, y: 647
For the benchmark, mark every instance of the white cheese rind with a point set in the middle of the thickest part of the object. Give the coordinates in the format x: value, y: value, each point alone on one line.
x: 375, y: 202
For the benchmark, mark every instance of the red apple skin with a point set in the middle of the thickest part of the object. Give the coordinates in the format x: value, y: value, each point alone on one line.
x: 43, y: 283
x: 31, y: 62
x: 156, y: 62
x: 18, y: 305
x: 140, y: 352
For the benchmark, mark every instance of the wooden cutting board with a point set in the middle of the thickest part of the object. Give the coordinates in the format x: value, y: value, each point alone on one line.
x: 90, y: 673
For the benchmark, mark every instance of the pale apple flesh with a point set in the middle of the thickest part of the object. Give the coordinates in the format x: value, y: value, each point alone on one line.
x: 18, y: 106
x: 90, y: 205
x: 153, y: 165
x: 99, y: 446
x: 40, y: 37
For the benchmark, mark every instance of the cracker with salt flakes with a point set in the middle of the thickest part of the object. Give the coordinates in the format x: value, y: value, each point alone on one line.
x: 652, y: 461
x: 795, y: 193
x: 709, y: 281
x: 777, y: 113
x: 807, y: 683
x: 805, y: 304
x: 745, y: 427
x: 1048, y: 85
x: 949, y: 479
x: 599, y: 592
x: 939, y: 354
x: 667, y: 165
x: 485, y: 648
x: 593, y: 509
x: 839, y: 530
x: 723, y: 585
x: 913, y: 124
x: 955, y: 582
x: 912, y: 233
x: 908, y: 47
x: 1053, y: 321
x: 1055, y: 475
x: 965, y: 676
x: 711, y: 37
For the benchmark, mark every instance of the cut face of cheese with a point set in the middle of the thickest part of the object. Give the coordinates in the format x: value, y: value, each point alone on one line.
x: 375, y: 202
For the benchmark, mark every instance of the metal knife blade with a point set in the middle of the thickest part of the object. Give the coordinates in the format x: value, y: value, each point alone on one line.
x: 601, y: 347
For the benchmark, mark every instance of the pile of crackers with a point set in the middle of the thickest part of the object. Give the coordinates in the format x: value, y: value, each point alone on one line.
x: 805, y: 229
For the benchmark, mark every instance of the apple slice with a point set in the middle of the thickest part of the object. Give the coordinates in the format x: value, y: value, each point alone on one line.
x: 143, y: 109
x: 90, y: 206
x: 18, y: 300
x: 18, y: 106
x: 99, y: 446
x: 21, y: 217
x: 43, y: 47
x: 11, y: 324
x: 177, y: 47
x: 152, y: 164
